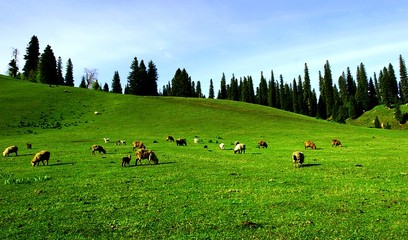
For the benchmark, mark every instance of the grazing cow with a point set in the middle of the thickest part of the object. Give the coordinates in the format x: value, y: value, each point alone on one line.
x: 181, y: 142
x: 310, y: 144
x: 146, y: 154
x: 170, y: 139
x: 222, y: 146
x: 126, y: 160
x: 298, y: 158
x: 8, y: 150
x: 42, y: 156
x: 239, y: 148
x: 138, y: 144
x: 29, y: 146
x: 98, y: 148
x: 336, y: 143
x: 106, y: 140
x: 262, y: 144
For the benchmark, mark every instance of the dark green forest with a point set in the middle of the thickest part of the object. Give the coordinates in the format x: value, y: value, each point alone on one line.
x: 339, y: 98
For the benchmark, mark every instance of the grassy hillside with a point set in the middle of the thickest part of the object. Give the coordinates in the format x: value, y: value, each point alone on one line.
x: 358, y: 191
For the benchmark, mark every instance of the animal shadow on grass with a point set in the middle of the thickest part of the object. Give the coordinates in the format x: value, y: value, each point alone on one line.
x: 61, y: 164
x: 148, y: 164
x: 311, y: 164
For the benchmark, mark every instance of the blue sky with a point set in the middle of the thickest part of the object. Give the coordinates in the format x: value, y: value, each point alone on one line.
x: 209, y: 38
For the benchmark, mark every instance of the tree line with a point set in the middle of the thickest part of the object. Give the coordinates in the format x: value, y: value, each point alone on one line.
x: 350, y: 97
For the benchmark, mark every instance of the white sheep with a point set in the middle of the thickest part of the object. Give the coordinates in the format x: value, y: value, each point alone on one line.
x: 239, y: 148
x: 298, y: 158
x: 8, y: 150
x: 196, y: 140
x: 222, y: 146
x: 96, y: 113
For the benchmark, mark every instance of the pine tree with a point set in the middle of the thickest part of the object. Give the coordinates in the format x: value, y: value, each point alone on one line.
x: 223, y: 88
x: 60, y: 77
x: 262, y: 95
x: 47, y: 72
x: 393, y: 84
x: 83, y: 83
x: 328, y: 87
x: 343, y: 94
x: 295, y: 97
x: 13, y: 65
x: 198, y: 91
x: 313, y: 106
x: 105, y: 87
x: 181, y: 84
x: 282, y: 96
x: 116, y: 86
x: 32, y: 59
x: 152, y: 78
x: 372, y: 95
x: 272, y: 91
x: 385, y: 89
x: 211, y: 90
x: 141, y: 80
x: 69, y: 75
x: 377, y: 123
x: 362, y: 90
x: 133, y: 77
x: 251, y: 92
x: 321, y: 103
x: 308, y: 92
x: 403, y: 80
x: 351, y: 84
x: 300, y: 97
x: 233, y: 93
x: 245, y: 91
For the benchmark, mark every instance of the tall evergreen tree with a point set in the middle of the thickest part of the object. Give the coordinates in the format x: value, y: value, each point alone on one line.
x: 301, y: 97
x: 13, y: 65
x: 343, y: 93
x: 198, y: 91
x: 282, y: 97
x: 181, y: 84
x: 251, y: 90
x: 69, y: 74
x: 83, y: 83
x: 295, y: 97
x: 362, y: 90
x: 106, y: 87
x: 152, y: 78
x: 321, y: 103
x: 141, y: 80
x: 116, y: 86
x: 223, y: 88
x: 393, y: 84
x: 233, y: 93
x: 245, y: 91
x: 272, y: 91
x: 211, y: 90
x: 48, y: 67
x: 351, y: 84
x: 32, y: 59
x: 263, y: 91
x: 308, y: 92
x: 133, y: 77
x: 313, y: 106
x: 403, y: 80
x: 328, y: 87
x: 372, y: 95
x: 60, y: 77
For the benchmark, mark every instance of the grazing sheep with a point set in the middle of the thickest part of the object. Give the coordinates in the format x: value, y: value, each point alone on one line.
x: 29, y: 146
x: 96, y: 113
x: 181, y: 142
x: 196, y: 140
x: 138, y: 144
x: 146, y: 154
x: 10, y: 149
x: 170, y: 139
x: 240, y: 148
x: 222, y: 146
x: 41, y: 156
x: 262, y: 144
x: 310, y: 144
x: 106, y: 140
x: 120, y: 142
x: 98, y: 148
x: 336, y: 143
x: 298, y: 158
x: 126, y: 160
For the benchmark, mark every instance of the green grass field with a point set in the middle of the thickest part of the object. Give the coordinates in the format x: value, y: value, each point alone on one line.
x: 358, y: 191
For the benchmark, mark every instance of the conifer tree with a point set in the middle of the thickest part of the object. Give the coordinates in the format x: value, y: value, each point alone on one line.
x: 32, y: 59
x: 362, y: 90
x: 343, y: 93
x: 211, y: 90
x: 393, y: 84
x: 328, y: 88
x: 181, y: 84
x: 282, y: 97
x: 47, y: 72
x: 300, y: 97
x: 272, y: 91
x: 83, y: 83
x: 198, y: 91
x: 385, y: 89
x: 223, y: 88
x: 245, y: 91
x: 372, y: 95
x: 152, y: 77
x: 133, y: 77
x: 105, y: 87
x: 116, y: 86
x: 313, y: 106
x: 403, y: 80
x: 13, y: 65
x: 295, y: 97
x: 60, y: 77
x: 141, y: 80
x: 251, y: 92
x: 69, y: 75
x: 307, y: 92
x: 233, y: 93
x: 263, y: 91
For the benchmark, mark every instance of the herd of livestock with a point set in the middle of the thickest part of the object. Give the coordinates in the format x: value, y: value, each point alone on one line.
x: 141, y: 152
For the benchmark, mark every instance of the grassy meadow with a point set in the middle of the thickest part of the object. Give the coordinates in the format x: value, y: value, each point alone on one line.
x: 358, y: 191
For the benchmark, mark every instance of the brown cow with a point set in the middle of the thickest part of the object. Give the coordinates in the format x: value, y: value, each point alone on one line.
x: 310, y: 144
x: 298, y: 158
x: 181, y: 142
x: 336, y: 143
x: 42, y: 156
x: 262, y: 144
x: 98, y: 148
x: 146, y: 154
x: 126, y: 160
x: 138, y: 144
